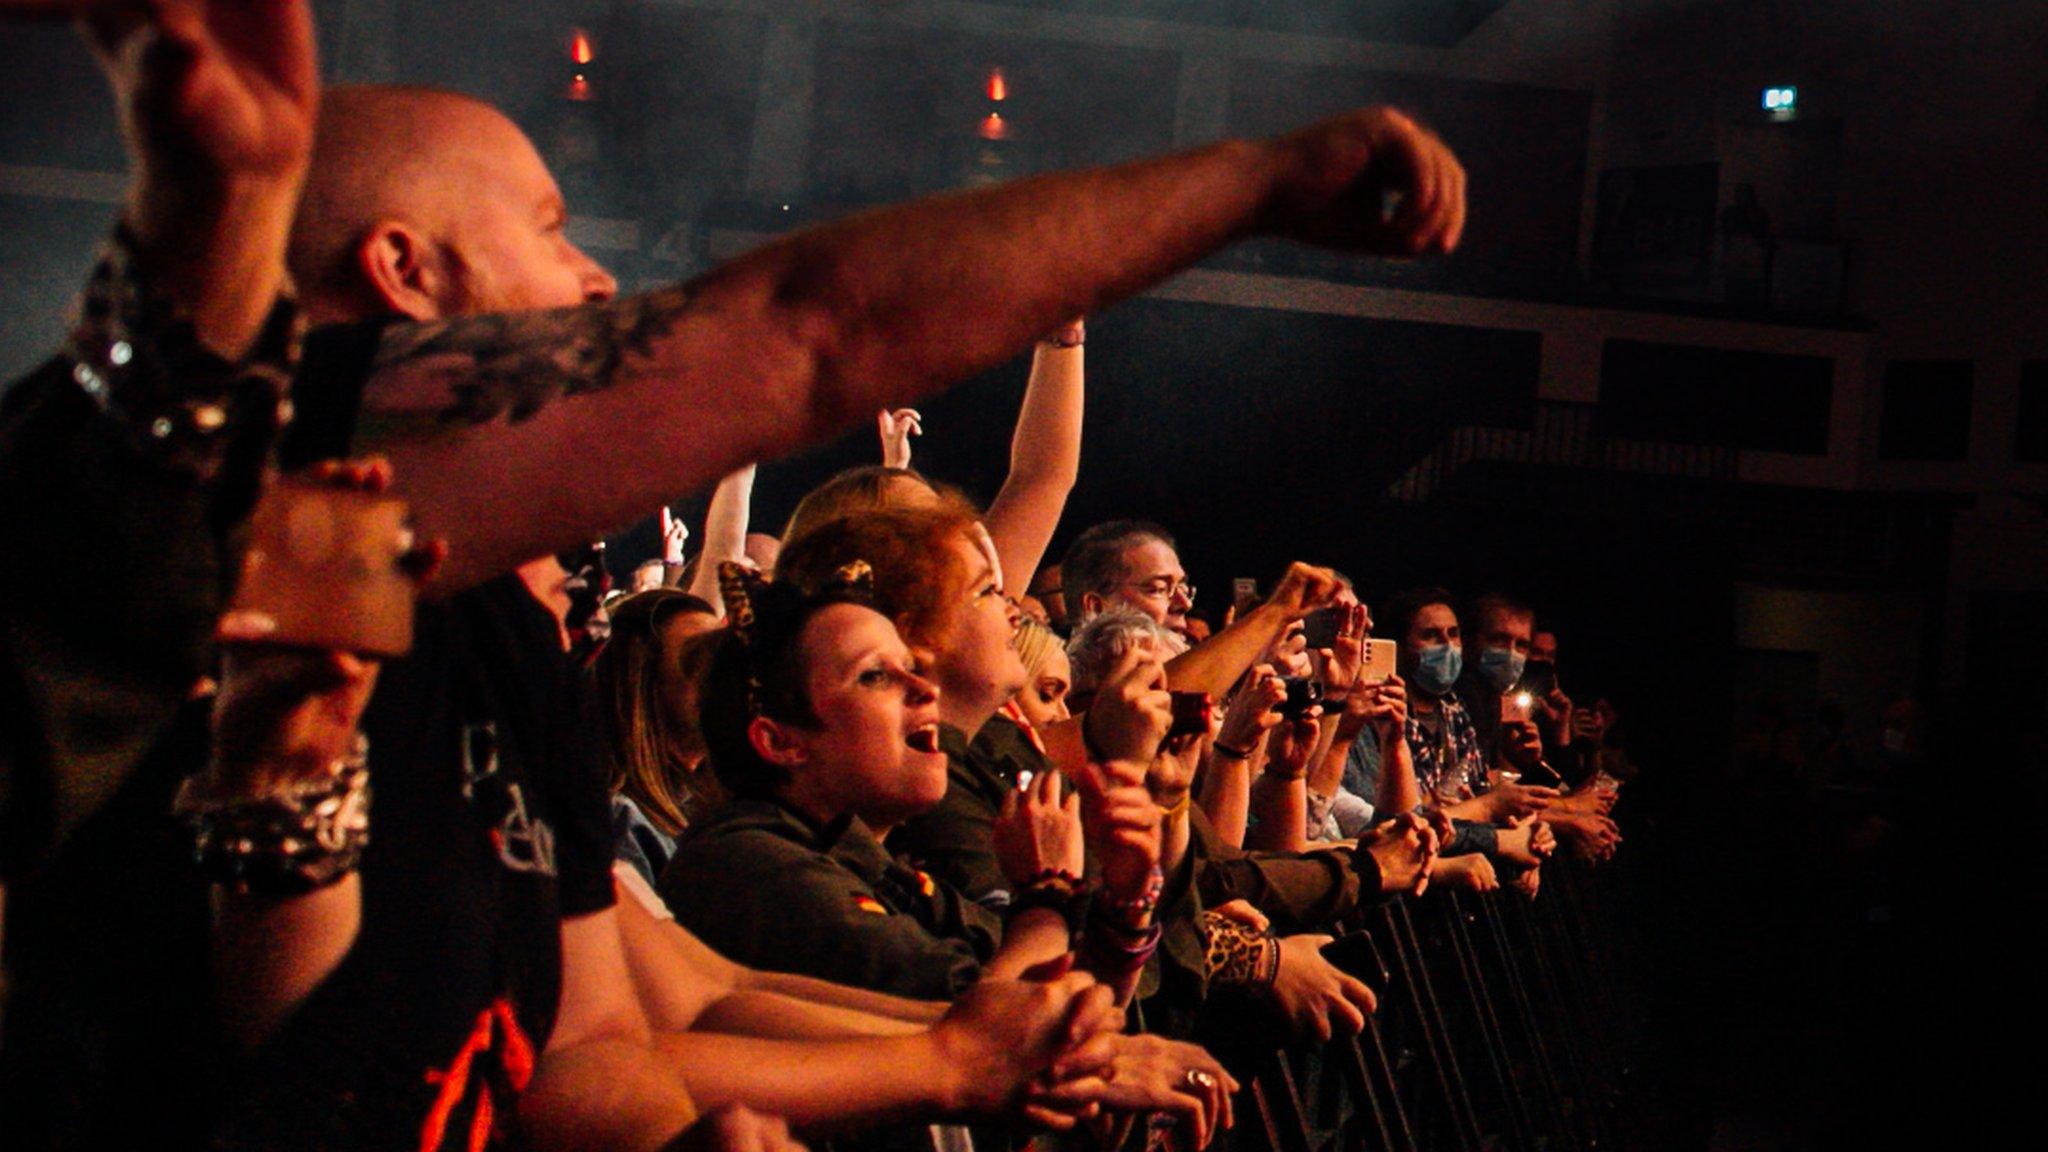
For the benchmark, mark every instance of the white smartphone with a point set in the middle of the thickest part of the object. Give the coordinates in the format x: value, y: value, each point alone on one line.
x: 1379, y: 661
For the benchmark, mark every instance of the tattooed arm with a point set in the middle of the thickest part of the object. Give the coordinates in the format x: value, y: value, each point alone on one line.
x: 517, y: 435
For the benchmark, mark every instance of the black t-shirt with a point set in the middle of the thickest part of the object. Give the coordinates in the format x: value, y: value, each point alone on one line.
x: 109, y: 1040
x: 488, y: 827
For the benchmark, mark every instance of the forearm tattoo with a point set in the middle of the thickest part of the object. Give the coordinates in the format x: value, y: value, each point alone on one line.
x: 512, y: 364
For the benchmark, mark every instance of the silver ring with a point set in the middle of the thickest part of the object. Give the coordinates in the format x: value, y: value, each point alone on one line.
x: 1196, y: 1078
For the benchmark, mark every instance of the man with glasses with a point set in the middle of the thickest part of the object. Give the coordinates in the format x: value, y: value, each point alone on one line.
x: 1128, y: 562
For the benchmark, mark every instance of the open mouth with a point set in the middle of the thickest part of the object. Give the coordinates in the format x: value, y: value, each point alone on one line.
x: 924, y: 738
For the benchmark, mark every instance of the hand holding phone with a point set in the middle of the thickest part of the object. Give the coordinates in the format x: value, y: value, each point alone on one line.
x: 327, y: 567
x: 1380, y: 658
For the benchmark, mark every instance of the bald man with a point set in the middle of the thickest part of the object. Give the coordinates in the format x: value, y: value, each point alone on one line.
x: 513, y: 367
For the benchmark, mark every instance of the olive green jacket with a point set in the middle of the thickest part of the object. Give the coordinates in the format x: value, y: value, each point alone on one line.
x: 770, y: 889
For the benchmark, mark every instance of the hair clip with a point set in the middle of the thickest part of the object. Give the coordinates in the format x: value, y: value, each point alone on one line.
x: 736, y: 585
x: 853, y: 576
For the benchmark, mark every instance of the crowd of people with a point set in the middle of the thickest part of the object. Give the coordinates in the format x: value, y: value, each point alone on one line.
x: 326, y: 828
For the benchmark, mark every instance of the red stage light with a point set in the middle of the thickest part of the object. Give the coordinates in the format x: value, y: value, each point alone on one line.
x: 993, y: 128
x: 580, y: 50
x: 998, y: 88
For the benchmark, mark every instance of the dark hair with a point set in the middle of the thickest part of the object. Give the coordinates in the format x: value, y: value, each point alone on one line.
x: 1486, y: 604
x: 1404, y: 606
x: 758, y: 670
x: 1095, y: 560
x: 651, y: 748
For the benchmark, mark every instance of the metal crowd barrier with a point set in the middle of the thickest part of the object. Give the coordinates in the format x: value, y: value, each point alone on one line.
x: 1504, y: 1025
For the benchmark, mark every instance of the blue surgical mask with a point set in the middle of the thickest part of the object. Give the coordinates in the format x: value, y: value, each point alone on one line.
x: 1436, y: 669
x: 1501, y: 668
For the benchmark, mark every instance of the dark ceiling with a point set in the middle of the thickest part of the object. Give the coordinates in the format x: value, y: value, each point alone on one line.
x: 1427, y: 23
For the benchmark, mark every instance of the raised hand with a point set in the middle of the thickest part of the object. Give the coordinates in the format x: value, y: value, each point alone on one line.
x: 1294, y: 742
x: 1383, y: 707
x: 1131, y: 712
x: 1251, y: 715
x: 897, y: 427
x: 1520, y: 744
x: 674, y: 534
x: 1373, y: 181
x: 207, y: 88
x: 1342, y: 661
x: 283, y: 713
x: 1122, y: 828
x: 1303, y: 589
x: 1037, y: 833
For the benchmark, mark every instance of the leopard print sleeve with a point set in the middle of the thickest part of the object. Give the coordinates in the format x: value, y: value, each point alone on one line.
x: 1238, y: 954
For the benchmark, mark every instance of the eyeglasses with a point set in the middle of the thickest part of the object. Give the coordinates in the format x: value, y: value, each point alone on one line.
x: 1161, y: 588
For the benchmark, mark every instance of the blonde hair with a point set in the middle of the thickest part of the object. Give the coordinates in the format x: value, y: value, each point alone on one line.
x: 1034, y: 643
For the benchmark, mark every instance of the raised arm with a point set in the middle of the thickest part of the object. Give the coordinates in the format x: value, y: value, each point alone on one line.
x: 1045, y: 457
x: 1215, y: 664
x: 725, y: 532
x: 815, y: 332
x: 217, y: 103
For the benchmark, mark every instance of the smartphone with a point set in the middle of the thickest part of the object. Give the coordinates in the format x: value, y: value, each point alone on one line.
x: 1190, y: 714
x: 326, y: 565
x: 1540, y: 680
x: 1244, y: 591
x: 1380, y: 656
x: 1319, y: 627
x: 1516, y: 705
x: 1303, y: 693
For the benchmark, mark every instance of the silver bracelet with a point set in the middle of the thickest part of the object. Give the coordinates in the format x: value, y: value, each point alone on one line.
x: 306, y: 836
x: 137, y: 357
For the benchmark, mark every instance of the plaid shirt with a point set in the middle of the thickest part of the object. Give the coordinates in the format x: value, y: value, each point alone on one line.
x: 1448, y: 763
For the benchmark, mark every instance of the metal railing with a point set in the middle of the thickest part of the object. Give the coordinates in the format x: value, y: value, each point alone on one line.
x: 1501, y: 1026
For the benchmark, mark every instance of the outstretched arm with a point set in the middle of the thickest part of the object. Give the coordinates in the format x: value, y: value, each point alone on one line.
x: 1045, y: 457
x: 725, y: 532
x: 1215, y: 664
x: 808, y: 335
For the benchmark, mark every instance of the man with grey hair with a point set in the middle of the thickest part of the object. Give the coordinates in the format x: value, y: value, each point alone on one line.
x: 1102, y: 641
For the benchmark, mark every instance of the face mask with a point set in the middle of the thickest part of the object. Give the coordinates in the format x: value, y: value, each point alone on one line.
x: 1501, y: 668
x: 1436, y: 669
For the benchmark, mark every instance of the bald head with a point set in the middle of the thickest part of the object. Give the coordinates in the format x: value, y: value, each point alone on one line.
x: 419, y: 160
